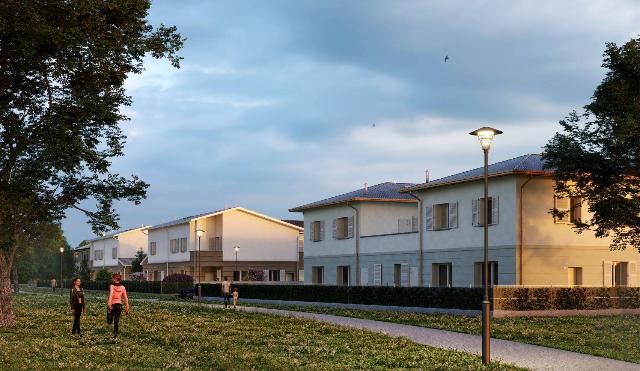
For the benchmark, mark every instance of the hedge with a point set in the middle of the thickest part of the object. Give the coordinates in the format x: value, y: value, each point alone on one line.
x: 153, y: 287
x: 519, y: 299
x: 430, y: 297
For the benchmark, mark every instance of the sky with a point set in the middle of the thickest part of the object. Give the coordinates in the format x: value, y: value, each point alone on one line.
x: 282, y: 103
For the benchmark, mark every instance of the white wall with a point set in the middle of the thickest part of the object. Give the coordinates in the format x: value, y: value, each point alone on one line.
x: 328, y: 246
x: 259, y: 239
x: 162, y: 236
x: 105, y: 244
x: 382, y: 217
x: 130, y: 242
x: 467, y: 235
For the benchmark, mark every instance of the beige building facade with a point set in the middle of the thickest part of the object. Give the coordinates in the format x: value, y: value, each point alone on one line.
x: 115, y: 251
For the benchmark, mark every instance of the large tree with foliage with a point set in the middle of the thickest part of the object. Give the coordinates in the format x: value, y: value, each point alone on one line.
x: 63, y: 64
x: 597, y: 156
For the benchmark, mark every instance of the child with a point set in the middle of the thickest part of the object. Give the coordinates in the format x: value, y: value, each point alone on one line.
x: 235, y: 297
x: 117, y: 293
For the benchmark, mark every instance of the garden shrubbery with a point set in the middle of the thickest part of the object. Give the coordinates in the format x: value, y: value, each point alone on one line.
x: 553, y: 298
x: 432, y: 297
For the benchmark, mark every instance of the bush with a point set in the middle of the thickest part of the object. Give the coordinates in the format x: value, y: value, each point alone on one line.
x: 574, y: 298
x: 460, y: 298
x: 178, y: 277
x: 256, y: 274
x: 103, y: 275
x: 137, y: 276
x: 173, y: 283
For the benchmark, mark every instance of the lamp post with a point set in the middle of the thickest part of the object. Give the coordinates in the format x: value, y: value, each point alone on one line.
x: 61, y: 285
x: 199, y: 233
x: 485, y: 136
x: 237, y: 248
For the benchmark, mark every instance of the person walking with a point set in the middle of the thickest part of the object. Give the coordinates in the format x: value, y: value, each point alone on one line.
x: 54, y: 284
x: 78, y: 306
x: 117, y: 292
x: 226, y: 290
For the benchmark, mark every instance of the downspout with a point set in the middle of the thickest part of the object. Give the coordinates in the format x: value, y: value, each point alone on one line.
x: 420, y: 240
x: 521, y: 252
x: 357, y: 236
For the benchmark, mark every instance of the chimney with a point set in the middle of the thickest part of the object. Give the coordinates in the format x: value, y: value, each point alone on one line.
x: 426, y: 176
x: 366, y: 188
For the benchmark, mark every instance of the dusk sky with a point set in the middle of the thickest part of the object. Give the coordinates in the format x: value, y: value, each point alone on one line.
x: 276, y: 101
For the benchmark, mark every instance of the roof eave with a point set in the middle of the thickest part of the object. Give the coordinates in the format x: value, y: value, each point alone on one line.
x: 476, y: 178
x: 354, y: 199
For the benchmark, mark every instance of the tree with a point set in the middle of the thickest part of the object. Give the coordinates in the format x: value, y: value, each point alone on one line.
x: 597, y: 157
x: 136, y: 264
x: 103, y: 275
x: 63, y: 64
x: 84, y: 272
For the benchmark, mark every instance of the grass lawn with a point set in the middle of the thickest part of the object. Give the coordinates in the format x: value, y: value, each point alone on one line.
x: 166, y: 335
x: 616, y: 337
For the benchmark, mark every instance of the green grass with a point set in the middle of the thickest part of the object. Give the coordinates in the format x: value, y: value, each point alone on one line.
x: 616, y: 337
x: 167, y: 335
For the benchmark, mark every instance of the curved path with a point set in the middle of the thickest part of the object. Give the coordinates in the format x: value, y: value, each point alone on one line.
x: 525, y: 355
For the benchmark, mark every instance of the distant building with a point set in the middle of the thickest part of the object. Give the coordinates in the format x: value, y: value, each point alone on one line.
x: 266, y: 244
x: 115, y: 251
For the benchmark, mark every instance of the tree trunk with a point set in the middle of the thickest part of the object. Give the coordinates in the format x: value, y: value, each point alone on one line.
x: 16, y: 284
x: 7, y: 318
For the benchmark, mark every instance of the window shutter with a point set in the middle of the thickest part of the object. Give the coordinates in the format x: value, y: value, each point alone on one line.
x: 350, y: 227
x: 474, y: 212
x: 494, y: 210
x: 413, y: 276
x: 453, y: 215
x: 335, y: 229
x: 364, y: 276
x: 428, y: 218
x: 562, y: 204
x: 265, y: 273
x: 321, y: 230
x: 377, y: 274
x: 632, y: 280
x: 312, y: 231
x: 404, y: 275
x: 414, y: 224
x: 282, y: 274
x: 607, y: 280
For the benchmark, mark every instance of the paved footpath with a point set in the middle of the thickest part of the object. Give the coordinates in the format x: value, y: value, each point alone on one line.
x: 524, y: 355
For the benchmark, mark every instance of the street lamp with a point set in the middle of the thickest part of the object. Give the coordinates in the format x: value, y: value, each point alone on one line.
x: 485, y: 136
x: 61, y: 285
x: 237, y: 248
x: 199, y: 233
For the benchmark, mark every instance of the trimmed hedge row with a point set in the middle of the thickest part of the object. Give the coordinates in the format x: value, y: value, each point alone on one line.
x: 431, y: 297
x: 153, y: 287
x: 519, y: 299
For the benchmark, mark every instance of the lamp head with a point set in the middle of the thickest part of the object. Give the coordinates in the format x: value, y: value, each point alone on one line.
x: 61, y: 250
x: 236, y: 248
x: 485, y: 136
x: 199, y: 232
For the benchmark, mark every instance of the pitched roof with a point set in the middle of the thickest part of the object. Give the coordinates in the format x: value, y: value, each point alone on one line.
x: 116, y: 233
x: 299, y: 223
x: 525, y: 164
x: 389, y: 192
x: 222, y: 211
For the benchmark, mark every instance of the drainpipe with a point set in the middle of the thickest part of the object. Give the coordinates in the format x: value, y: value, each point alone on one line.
x: 420, y: 239
x: 356, y: 226
x: 521, y: 252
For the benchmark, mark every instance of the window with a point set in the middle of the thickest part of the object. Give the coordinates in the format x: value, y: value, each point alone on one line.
x: 173, y: 245
x: 574, y: 276
x: 301, y: 243
x: 317, y: 231
x: 317, y: 275
x: 479, y: 273
x: 343, y: 228
x: 274, y: 275
x: 152, y: 248
x: 401, y: 275
x: 377, y: 274
x: 114, y: 253
x: 236, y: 275
x: 215, y: 244
x: 404, y: 226
x: 183, y: 244
x: 98, y: 254
x: 441, y: 275
x: 478, y: 207
x: 342, y: 275
x: 620, y: 272
x: 290, y: 277
x: 440, y: 216
x: 572, y: 207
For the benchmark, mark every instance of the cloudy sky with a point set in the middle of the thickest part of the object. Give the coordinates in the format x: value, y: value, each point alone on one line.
x: 275, y: 103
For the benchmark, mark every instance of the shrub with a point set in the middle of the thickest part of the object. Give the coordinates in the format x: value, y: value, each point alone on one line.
x: 178, y: 277
x: 137, y: 276
x: 256, y: 274
x: 103, y: 275
x: 573, y: 298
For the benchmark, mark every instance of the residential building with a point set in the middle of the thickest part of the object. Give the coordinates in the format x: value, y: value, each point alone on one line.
x: 115, y: 251
x: 80, y: 254
x: 527, y: 245
x: 365, y: 237
x: 264, y: 244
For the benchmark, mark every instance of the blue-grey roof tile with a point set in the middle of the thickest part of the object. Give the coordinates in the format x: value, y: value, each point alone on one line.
x: 388, y: 190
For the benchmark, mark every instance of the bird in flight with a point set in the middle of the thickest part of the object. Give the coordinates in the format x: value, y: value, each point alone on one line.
x: 446, y: 58
x: 374, y: 125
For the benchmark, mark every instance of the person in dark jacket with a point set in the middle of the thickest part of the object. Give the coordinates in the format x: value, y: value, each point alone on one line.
x: 78, y: 305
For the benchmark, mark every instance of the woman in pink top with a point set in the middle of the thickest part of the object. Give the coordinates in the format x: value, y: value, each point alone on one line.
x: 117, y: 293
